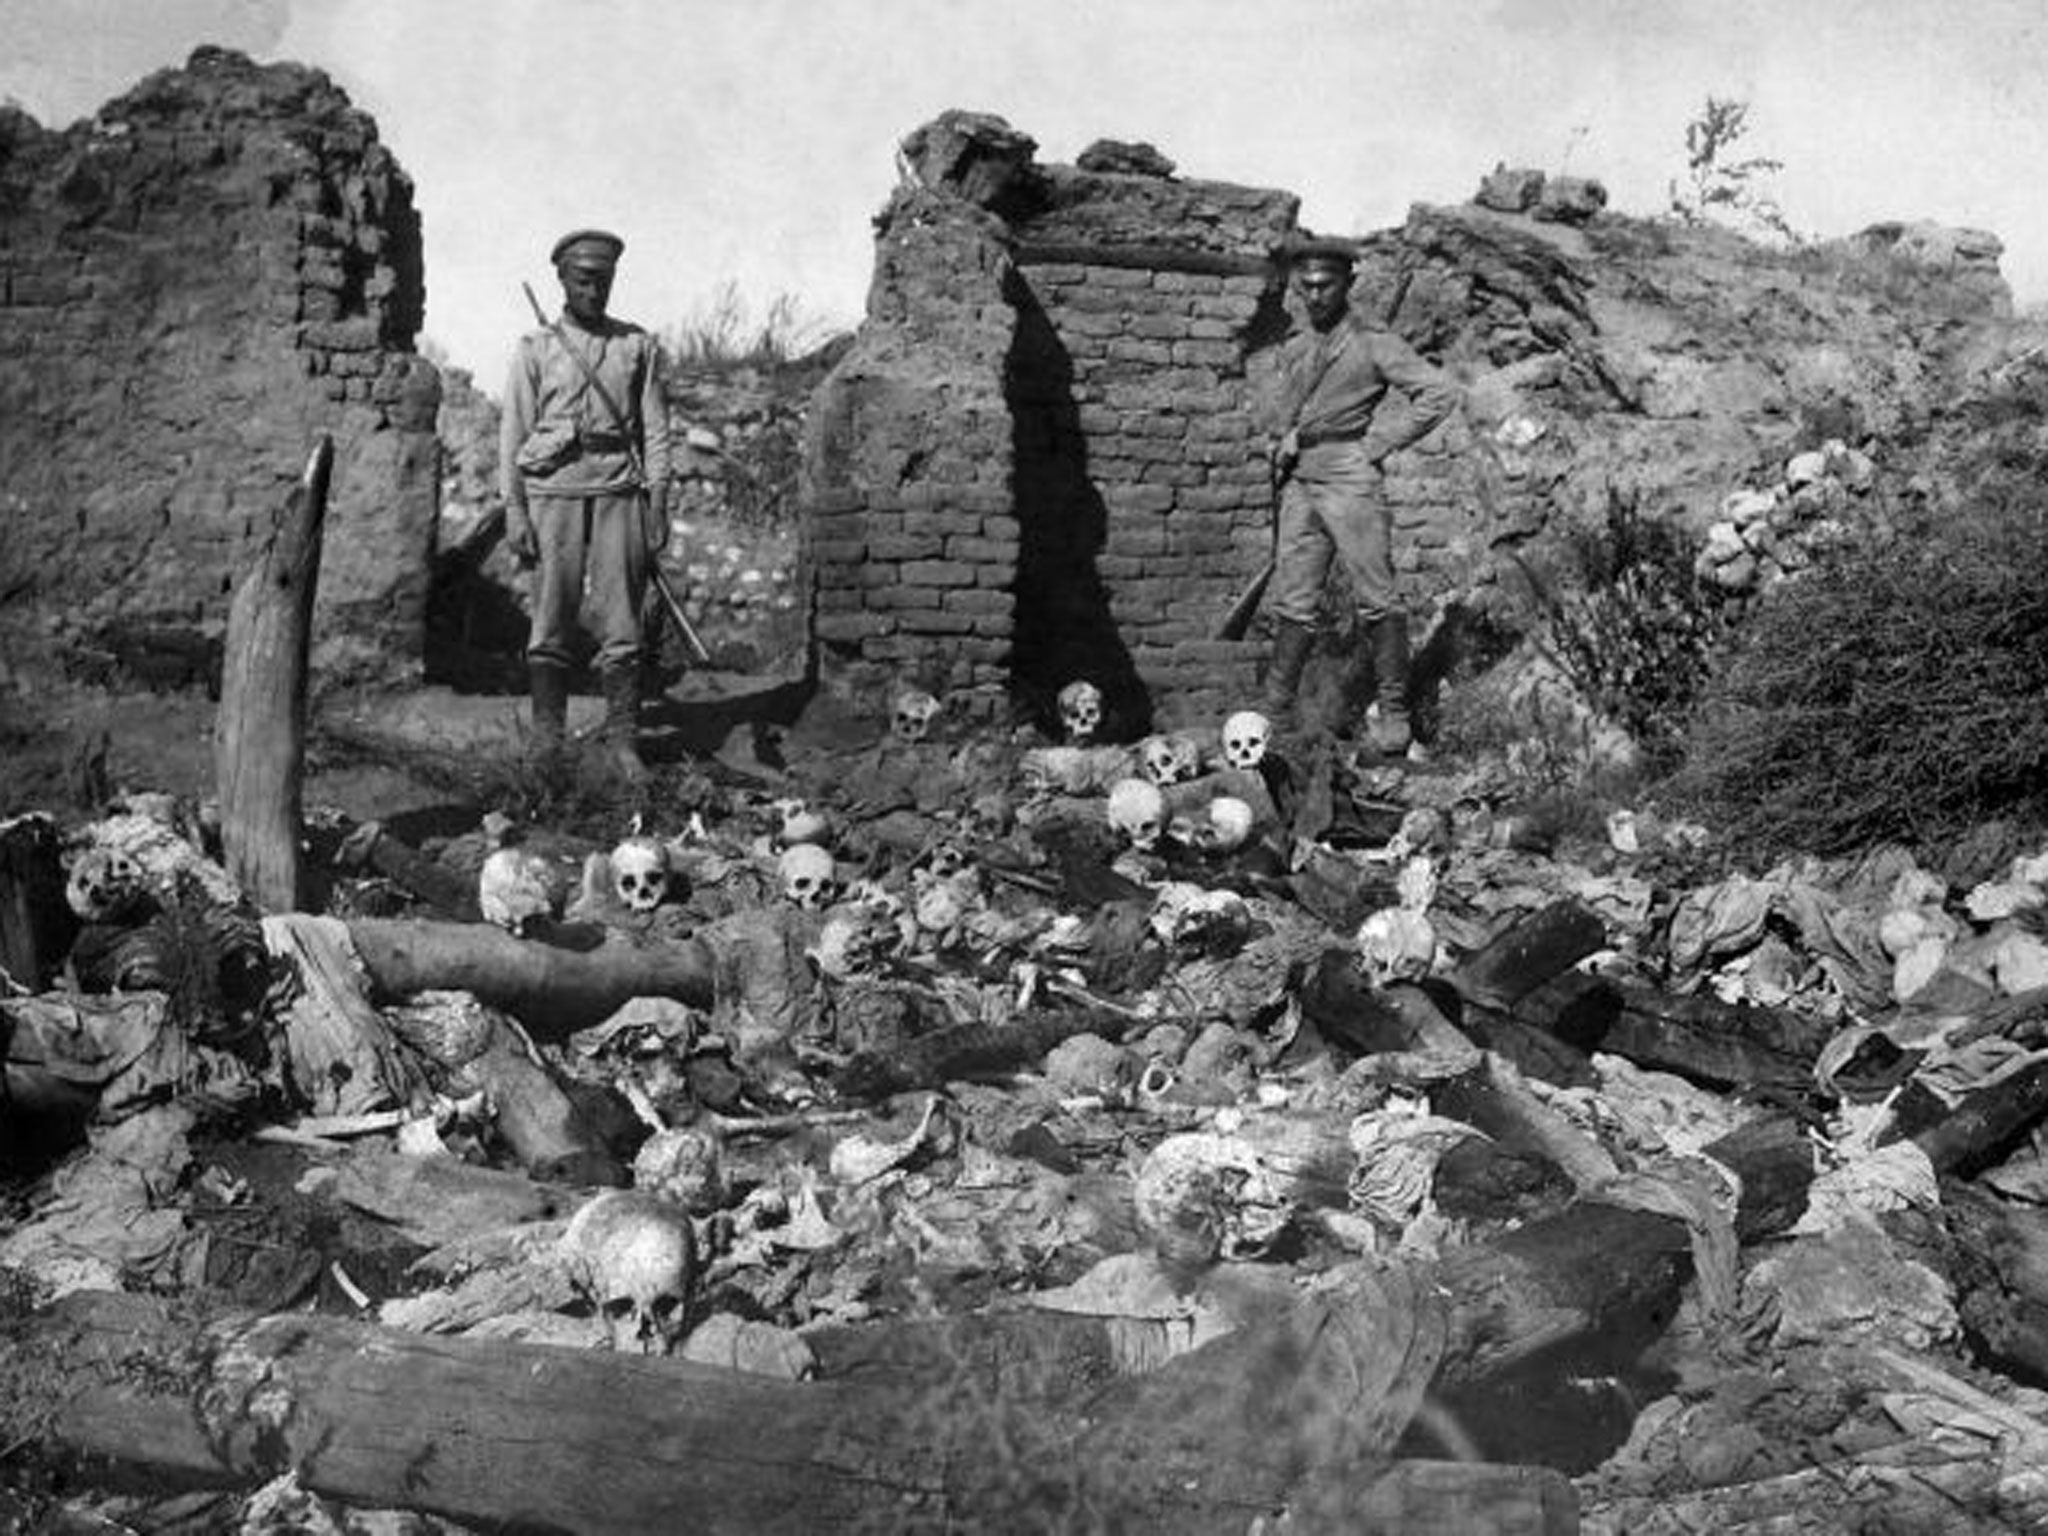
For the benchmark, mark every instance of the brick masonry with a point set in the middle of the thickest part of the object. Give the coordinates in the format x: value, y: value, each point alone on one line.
x: 1044, y: 458
x: 219, y: 267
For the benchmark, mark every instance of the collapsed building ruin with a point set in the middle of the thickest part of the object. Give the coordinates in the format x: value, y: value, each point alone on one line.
x: 218, y: 268
x: 1044, y: 457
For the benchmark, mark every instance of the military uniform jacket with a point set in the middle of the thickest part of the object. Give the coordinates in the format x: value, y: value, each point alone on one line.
x: 557, y: 437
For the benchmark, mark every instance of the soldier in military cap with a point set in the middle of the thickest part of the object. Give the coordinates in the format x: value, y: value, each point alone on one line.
x: 584, y: 457
x: 1352, y: 393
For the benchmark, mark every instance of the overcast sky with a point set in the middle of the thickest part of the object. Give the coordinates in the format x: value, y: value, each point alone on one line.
x: 751, y: 141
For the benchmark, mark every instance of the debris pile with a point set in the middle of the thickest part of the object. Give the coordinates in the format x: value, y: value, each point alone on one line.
x: 1559, y: 1182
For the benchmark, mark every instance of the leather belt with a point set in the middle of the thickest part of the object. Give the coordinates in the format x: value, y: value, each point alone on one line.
x: 1323, y: 439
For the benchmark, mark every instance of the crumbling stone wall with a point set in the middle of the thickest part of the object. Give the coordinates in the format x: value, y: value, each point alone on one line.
x: 221, y: 266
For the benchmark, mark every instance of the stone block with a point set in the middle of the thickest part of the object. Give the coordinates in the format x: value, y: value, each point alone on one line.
x: 1187, y: 282
x: 1209, y: 354
x: 1211, y: 498
x: 999, y: 625
x: 935, y: 621
x: 1075, y: 323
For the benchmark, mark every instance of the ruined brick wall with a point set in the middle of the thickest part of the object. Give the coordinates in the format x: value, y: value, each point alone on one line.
x: 911, y: 538
x: 1045, y: 458
x: 1140, y: 482
x: 221, y: 266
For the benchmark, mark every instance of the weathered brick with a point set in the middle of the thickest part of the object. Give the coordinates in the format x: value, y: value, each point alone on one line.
x: 1211, y: 354
x: 1119, y: 568
x: 1125, y: 499
x: 971, y: 600
x: 1081, y: 322
x: 1156, y: 353
x: 1160, y: 328
x: 1203, y: 328
x: 936, y: 621
x: 842, y: 628
x: 1187, y: 282
x: 1119, y: 277
x: 979, y: 549
x: 920, y: 544
x: 1002, y: 625
x: 1135, y: 536
x: 838, y: 551
x: 1211, y: 498
x: 1235, y: 309
x: 938, y: 573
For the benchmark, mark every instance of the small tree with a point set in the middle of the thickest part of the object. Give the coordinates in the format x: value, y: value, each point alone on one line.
x: 1722, y: 187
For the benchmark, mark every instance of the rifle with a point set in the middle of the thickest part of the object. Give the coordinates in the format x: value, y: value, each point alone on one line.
x: 1238, y: 618
x: 656, y: 574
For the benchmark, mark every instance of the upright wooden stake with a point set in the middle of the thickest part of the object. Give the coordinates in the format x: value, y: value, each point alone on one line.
x: 259, y: 737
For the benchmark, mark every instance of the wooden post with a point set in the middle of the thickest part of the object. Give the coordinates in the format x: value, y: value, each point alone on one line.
x: 260, y: 733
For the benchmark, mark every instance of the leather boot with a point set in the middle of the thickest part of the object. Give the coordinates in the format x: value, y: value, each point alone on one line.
x: 1291, y: 644
x: 1390, y: 733
x: 622, y: 721
x: 548, y: 682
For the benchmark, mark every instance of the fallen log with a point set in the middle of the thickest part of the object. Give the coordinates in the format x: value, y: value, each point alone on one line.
x: 36, y: 927
x: 260, y: 731
x: 570, y: 979
x: 1299, y: 1407
x: 1722, y: 1045
x: 2001, y: 1276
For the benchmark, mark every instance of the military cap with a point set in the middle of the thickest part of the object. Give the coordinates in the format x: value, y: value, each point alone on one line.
x: 1317, y: 251
x: 588, y: 247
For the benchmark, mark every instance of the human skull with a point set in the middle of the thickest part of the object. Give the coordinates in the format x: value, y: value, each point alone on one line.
x: 991, y: 815
x: 633, y: 1256
x: 1202, y: 1195
x: 1246, y: 735
x: 1227, y: 826
x: 684, y: 1165
x: 515, y: 889
x: 1170, y: 759
x: 809, y: 877
x: 1138, y: 811
x: 104, y: 885
x: 640, y: 873
x: 912, y: 715
x: 1081, y: 711
x: 799, y: 823
x: 1396, y: 944
x: 852, y: 943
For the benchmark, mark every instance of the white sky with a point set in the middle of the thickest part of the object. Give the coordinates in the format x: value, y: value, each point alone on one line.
x: 751, y: 141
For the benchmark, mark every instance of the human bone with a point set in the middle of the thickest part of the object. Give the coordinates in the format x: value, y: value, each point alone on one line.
x: 1227, y: 828
x: 1170, y: 759
x: 808, y: 876
x: 1138, y: 811
x: 514, y: 888
x: 913, y: 714
x: 634, y: 1257
x: 684, y: 1165
x: 640, y: 873
x: 1081, y: 711
x: 1246, y: 736
x: 104, y: 885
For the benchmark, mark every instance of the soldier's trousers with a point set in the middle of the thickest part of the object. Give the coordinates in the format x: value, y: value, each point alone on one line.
x: 1331, y: 508
x: 593, y: 564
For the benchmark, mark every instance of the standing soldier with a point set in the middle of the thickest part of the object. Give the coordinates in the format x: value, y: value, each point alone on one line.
x: 1353, y: 394
x: 584, y: 455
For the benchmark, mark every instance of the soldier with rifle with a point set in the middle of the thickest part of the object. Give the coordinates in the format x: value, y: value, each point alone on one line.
x: 1353, y: 393
x: 584, y: 458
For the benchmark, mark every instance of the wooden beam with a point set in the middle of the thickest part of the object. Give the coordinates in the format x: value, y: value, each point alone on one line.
x: 260, y: 731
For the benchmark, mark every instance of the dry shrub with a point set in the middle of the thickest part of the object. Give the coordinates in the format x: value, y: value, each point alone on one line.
x: 1892, y: 692
x: 1630, y: 623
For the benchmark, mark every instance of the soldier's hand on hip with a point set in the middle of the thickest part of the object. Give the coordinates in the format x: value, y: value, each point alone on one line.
x: 655, y: 517
x: 520, y: 538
